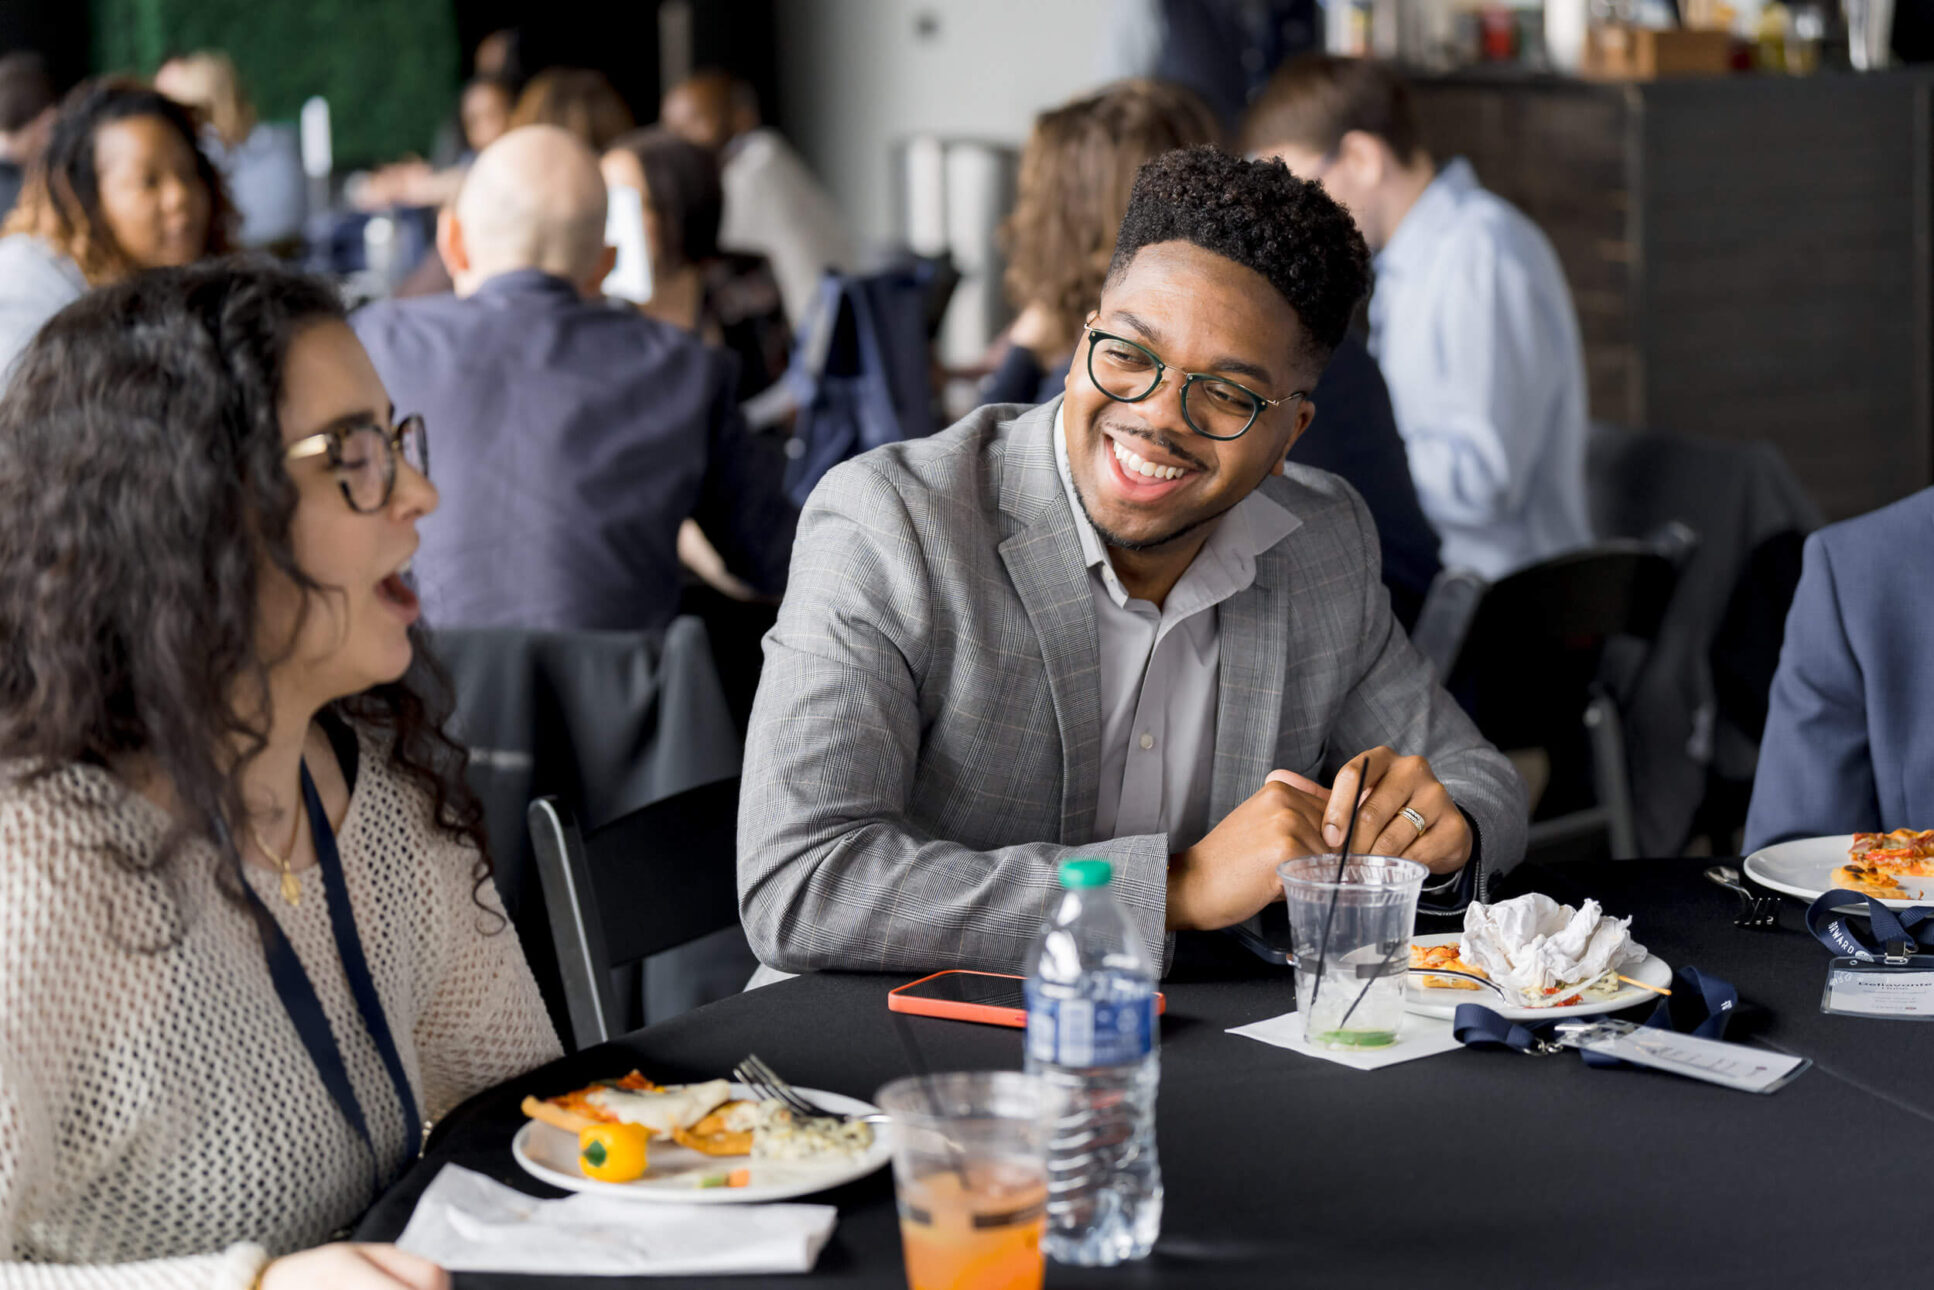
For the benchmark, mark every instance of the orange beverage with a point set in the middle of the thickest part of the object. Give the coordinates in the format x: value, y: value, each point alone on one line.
x: 983, y: 1235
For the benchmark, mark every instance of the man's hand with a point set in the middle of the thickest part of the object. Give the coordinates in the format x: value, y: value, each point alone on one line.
x: 1382, y: 784
x: 1231, y: 873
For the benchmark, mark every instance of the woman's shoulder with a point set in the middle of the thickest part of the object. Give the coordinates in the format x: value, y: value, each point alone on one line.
x: 53, y: 811
x: 29, y: 265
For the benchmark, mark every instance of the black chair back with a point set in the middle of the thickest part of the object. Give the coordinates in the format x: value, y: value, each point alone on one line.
x: 1536, y: 642
x: 661, y: 877
x: 1532, y: 658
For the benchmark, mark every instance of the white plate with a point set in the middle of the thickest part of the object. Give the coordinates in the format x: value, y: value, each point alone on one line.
x: 1443, y: 1003
x: 550, y: 1154
x: 1804, y: 868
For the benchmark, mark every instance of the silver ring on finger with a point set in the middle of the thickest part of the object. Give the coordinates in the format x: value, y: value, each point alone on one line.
x: 1417, y: 820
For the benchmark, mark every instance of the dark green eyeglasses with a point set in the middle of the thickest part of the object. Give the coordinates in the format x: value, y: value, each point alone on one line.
x: 1214, y: 406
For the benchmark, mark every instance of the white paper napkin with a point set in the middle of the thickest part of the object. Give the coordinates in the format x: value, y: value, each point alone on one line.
x: 468, y: 1223
x: 1418, y: 1037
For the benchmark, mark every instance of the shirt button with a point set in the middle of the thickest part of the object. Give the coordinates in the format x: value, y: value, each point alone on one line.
x: 1148, y: 741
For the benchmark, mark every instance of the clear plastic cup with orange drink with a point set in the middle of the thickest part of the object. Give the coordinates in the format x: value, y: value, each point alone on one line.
x: 971, y: 1180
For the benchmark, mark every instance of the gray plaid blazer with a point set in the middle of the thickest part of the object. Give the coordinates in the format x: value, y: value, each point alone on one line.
x: 925, y: 747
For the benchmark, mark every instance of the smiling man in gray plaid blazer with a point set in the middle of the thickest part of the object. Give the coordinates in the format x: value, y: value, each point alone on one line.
x: 1112, y: 625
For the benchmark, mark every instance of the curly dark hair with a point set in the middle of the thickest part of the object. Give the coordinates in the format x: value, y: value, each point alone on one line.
x: 61, y: 199
x: 1262, y: 217
x: 142, y: 488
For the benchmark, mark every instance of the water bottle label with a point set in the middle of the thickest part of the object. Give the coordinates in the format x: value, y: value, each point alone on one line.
x: 1088, y: 1032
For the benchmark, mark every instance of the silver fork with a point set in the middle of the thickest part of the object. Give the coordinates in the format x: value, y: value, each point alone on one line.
x: 771, y: 1086
x: 1756, y: 912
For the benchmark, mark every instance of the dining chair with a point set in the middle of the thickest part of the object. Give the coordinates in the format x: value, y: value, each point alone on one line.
x: 658, y: 878
x: 1534, y: 658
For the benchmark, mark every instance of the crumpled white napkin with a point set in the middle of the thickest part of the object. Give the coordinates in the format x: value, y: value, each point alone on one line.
x: 1531, y: 943
x: 468, y: 1223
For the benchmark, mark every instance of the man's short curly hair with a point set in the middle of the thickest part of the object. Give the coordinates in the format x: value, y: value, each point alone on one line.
x: 1262, y: 217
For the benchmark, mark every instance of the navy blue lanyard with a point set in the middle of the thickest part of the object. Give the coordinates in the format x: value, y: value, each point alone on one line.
x: 305, y: 1009
x: 1705, y: 1005
x: 1895, y: 937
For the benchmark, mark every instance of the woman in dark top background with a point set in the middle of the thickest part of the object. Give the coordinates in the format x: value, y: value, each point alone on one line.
x: 731, y: 301
x: 1076, y: 171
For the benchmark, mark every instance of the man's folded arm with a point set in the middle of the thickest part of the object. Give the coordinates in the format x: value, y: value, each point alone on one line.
x: 832, y: 873
x: 1396, y: 701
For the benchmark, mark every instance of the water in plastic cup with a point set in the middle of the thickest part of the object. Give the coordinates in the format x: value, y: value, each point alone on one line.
x: 1350, y: 982
x: 970, y: 1178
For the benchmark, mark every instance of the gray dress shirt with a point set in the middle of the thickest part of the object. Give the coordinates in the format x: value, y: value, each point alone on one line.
x: 1158, y: 670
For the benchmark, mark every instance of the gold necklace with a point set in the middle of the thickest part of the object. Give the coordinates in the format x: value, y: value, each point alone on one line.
x: 291, y: 888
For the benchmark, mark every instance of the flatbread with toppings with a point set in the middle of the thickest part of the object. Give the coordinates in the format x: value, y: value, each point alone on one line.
x: 1445, y: 957
x: 1869, y: 880
x: 633, y: 1099
x: 1905, y: 853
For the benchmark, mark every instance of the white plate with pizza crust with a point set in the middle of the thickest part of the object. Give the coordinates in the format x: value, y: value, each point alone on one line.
x: 1430, y: 1001
x: 1804, y: 868
x: 550, y: 1154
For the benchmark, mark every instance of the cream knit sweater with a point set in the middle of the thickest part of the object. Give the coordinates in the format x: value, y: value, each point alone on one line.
x: 161, y: 1125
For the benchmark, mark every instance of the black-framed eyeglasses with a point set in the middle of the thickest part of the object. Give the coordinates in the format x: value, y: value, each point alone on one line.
x: 363, y: 458
x: 1214, y: 406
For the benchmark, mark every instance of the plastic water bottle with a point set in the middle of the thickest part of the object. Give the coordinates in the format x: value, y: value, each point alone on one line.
x: 1091, y: 1041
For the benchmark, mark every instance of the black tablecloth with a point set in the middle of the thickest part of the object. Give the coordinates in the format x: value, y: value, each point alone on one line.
x: 1478, y: 1168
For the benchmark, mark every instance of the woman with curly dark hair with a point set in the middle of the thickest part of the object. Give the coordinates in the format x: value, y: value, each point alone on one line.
x: 249, y: 944
x: 121, y: 186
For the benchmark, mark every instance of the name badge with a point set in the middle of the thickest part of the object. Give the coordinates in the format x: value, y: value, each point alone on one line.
x: 1863, y: 988
x: 1713, y: 1061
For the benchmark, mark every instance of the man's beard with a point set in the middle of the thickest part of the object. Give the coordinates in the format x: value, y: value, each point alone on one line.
x: 1119, y: 542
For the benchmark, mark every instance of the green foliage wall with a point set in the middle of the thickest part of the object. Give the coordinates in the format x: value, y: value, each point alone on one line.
x: 388, y: 67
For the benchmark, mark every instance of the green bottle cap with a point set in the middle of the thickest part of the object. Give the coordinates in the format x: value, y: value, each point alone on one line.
x: 1080, y: 874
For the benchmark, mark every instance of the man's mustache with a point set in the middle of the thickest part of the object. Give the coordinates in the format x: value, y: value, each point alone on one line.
x: 1155, y: 437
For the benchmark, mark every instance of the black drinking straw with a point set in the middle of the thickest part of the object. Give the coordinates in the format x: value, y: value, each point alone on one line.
x: 910, y: 1048
x: 1336, y: 885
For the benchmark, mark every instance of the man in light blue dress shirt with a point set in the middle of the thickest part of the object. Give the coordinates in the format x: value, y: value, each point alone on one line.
x: 1471, y: 320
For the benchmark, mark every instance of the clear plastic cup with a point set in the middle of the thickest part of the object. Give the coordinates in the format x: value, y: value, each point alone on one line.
x: 1351, y: 933
x: 971, y: 1179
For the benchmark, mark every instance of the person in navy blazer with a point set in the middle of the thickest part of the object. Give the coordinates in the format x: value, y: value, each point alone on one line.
x: 1849, y: 743
x: 570, y: 437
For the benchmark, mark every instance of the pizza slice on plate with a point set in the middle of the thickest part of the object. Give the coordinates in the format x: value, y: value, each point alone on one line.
x: 1445, y: 957
x: 704, y: 1116
x: 1869, y: 880
x: 1905, y: 852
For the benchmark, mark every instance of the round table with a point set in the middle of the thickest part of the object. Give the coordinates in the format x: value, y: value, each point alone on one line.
x: 1478, y: 1168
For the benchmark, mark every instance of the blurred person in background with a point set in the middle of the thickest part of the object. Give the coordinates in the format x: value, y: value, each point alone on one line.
x: 1471, y: 319
x: 1076, y: 173
x: 27, y: 104
x: 773, y: 205
x: 729, y: 299
x: 261, y: 162
x: 574, y: 99
x: 220, y: 733
x: 577, y: 99
x: 580, y: 435
x: 121, y: 186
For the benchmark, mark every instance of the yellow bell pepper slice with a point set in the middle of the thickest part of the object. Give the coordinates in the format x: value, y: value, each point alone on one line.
x: 613, y: 1152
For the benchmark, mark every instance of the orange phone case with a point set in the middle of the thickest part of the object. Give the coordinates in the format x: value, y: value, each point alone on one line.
x: 956, y: 1010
